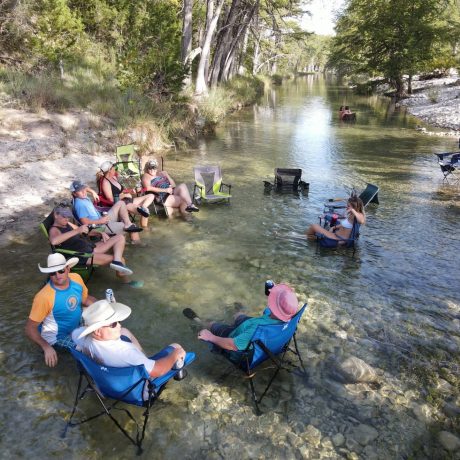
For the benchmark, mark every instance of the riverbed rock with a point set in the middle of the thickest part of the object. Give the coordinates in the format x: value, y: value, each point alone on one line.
x: 422, y: 412
x: 365, y: 434
x: 312, y: 435
x: 451, y: 409
x: 449, y: 441
x: 338, y: 439
x: 353, y: 370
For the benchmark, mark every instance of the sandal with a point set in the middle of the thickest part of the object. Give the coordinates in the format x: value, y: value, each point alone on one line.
x: 144, y: 212
x: 136, y: 283
x: 133, y: 229
x: 189, y: 313
x: 192, y: 208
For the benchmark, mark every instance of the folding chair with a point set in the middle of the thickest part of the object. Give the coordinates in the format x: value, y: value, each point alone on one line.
x: 331, y: 243
x: 209, y: 187
x: 287, y: 180
x: 449, y: 162
x: 85, y: 271
x: 270, y: 342
x: 369, y: 195
x: 128, y: 165
x: 130, y: 385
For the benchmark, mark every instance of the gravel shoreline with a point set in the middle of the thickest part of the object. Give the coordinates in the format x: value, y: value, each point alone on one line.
x: 436, y: 102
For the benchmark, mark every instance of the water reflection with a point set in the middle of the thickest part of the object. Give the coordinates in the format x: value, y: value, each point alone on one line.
x: 393, y: 297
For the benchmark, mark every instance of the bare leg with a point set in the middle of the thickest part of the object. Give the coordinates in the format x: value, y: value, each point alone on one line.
x: 116, y: 242
x: 106, y: 259
x: 120, y: 212
x: 174, y: 202
x: 316, y: 228
x: 181, y: 190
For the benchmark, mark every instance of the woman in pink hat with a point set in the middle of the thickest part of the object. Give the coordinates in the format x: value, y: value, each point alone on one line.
x: 282, y: 306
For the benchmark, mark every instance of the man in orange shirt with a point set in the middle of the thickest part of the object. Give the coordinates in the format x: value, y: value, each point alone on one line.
x: 57, y: 307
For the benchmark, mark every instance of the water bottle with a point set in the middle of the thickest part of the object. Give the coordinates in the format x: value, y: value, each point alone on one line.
x: 268, y: 285
x: 109, y: 296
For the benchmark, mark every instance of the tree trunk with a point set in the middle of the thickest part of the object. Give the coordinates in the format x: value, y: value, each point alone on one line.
x: 201, y: 84
x: 186, y: 43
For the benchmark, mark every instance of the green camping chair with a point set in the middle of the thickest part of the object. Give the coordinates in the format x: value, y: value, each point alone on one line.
x: 209, y: 186
x: 128, y: 166
x: 85, y: 271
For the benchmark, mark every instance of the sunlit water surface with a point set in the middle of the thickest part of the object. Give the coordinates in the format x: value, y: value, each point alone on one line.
x: 396, y: 296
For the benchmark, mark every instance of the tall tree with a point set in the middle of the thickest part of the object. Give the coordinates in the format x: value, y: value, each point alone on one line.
x: 388, y: 37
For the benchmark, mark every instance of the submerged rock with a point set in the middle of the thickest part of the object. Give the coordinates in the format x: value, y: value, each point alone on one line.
x: 365, y: 434
x: 449, y: 441
x: 353, y: 370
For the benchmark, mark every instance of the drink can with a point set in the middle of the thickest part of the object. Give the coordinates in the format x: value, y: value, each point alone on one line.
x: 109, y: 296
x: 334, y: 218
x: 268, y: 285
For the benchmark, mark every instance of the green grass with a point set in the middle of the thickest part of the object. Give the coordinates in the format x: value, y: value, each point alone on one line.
x: 93, y: 88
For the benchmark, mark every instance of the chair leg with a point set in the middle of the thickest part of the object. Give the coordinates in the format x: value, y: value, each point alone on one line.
x: 254, y: 396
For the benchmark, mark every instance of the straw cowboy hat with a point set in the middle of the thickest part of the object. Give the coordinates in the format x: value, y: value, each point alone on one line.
x: 282, y: 302
x: 57, y: 262
x: 103, y: 313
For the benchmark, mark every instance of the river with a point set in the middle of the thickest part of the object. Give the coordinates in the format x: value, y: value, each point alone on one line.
x: 394, y: 303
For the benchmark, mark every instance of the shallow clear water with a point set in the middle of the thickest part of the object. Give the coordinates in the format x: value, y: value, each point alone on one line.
x: 396, y: 298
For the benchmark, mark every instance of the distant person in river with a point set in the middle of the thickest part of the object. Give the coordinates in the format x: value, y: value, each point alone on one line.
x: 66, y: 235
x: 165, y: 190
x: 346, y: 112
x: 341, y: 231
x: 341, y: 111
x: 112, y: 191
x: 57, y: 307
x: 282, y: 306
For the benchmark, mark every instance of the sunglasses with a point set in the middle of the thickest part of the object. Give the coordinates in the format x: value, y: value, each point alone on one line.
x: 113, y: 325
x: 61, y: 272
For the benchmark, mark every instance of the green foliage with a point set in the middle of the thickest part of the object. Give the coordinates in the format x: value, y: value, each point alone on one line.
x: 388, y: 37
x: 57, y: 30
x: 277, y: 79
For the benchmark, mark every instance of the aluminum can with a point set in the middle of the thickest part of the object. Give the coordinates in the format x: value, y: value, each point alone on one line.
x: 268, y: 285
x: 109, y: 296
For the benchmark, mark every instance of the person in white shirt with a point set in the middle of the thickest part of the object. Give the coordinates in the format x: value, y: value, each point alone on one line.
x: 106, y: 342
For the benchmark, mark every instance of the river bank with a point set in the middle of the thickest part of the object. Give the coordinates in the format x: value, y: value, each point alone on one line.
x: 436, y: 102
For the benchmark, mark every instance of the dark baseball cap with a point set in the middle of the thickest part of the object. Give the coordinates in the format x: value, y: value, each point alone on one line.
x: 76, y: 186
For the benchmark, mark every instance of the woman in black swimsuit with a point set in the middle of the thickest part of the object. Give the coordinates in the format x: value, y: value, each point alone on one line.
x: 112, y: 191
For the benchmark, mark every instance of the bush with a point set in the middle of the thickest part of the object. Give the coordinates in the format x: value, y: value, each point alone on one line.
x: 277, y: 79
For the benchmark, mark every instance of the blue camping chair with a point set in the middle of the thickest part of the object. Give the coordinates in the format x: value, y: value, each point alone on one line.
x: 325, y: 242
x: 449, y: 162
x: 131, y: 385
x: 270, y: 342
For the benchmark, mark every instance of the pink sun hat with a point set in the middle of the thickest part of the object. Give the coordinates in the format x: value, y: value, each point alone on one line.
x: 283, y: 302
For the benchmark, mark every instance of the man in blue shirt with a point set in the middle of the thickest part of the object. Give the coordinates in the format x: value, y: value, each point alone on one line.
x: 117, y: 219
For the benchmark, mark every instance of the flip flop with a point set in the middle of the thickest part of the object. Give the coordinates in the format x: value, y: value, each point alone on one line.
x: 136, y: 283
x: 144, y: 212
x: 189, y: 313
x: 133, y: 229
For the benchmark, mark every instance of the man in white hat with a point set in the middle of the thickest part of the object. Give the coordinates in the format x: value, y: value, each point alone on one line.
x: 57, y: 307
x: 106, y: 342
x: 282, y: 306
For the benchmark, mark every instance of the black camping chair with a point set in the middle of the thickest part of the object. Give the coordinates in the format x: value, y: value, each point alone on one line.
x: 85, y: 271
x: 287, y: 180
x: 269, y: 343
x: 336, y: 205
x: 449, y: 162
x: 131, y: 385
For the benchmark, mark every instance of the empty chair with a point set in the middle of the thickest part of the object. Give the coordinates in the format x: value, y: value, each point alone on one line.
x: 287, y: 180
x: 209, y: 185
x: 128, y: 165
x: 130, y: 385
x: 268, y: 343
x: 368, y: 195
x: 449, y: 163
